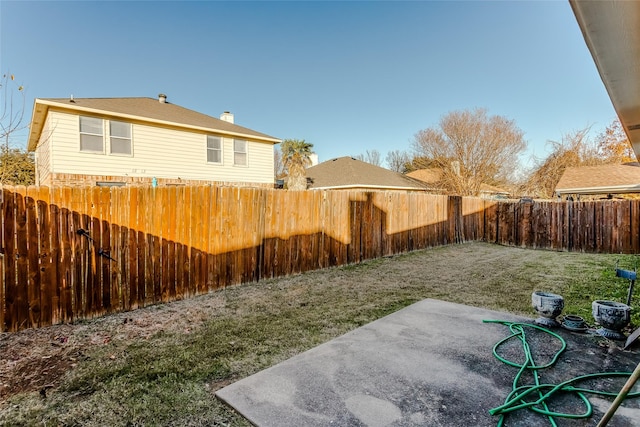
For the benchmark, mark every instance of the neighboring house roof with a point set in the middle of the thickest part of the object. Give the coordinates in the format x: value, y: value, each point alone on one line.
x: 432, y: 176
x: 602, y: 179
x: 148, y: 110
x: 491, y: 189
x: 349, y: 173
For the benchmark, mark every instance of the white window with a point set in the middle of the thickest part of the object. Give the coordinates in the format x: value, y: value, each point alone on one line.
x: 214, y: 149
x: 239, y: 152
x: 120, y: 137
x: 91, y: 135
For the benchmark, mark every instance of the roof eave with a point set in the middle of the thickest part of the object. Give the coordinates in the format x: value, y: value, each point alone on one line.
x: 613, y: 189
x: 37, y: 123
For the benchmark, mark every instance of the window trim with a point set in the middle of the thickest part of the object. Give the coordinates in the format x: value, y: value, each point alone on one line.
x: 221, y: 150
x: 130, y: 139
x: 245, y: 152
x: 106, y: 137
x: 80, y: 133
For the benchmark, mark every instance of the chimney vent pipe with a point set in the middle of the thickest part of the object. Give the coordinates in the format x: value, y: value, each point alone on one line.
x: 227, y: 117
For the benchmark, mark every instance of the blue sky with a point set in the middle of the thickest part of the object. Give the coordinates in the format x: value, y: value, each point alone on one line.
x: 345, y: 76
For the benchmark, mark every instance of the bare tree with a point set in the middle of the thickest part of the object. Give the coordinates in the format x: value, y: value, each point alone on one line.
x: 419, y: 162
x: 11, y: 115
x: 472, y: 148
x: 278, y: 165
x: 374, y: 157
x: 16, y: 165
x: 575, y: 149
x: 397, y: 160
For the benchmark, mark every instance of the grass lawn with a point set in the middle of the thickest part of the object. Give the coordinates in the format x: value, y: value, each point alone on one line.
x: 161, y: 365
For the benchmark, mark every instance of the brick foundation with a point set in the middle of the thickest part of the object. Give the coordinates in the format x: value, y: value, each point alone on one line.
x: 58, y: 179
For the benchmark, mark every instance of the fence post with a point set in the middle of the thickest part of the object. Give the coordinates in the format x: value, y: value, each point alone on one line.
x: 454, y: 214
x: 568, y: 226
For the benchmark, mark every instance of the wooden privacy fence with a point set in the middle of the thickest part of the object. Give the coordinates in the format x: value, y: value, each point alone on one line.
x: 73, y: 253
x: 603, y: 226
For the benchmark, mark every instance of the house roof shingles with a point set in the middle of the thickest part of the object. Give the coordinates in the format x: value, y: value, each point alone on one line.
x: 349, y: 173
x: 615, y: 178
x: 430, y: 176
x: 433, y: 176
x: 143, y: 109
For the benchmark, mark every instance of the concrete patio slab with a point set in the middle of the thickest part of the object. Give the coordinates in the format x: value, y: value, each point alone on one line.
x: 430, y: 364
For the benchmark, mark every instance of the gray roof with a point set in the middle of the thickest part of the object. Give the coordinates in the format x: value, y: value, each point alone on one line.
x: 349, y: 173
x: 145, y: 109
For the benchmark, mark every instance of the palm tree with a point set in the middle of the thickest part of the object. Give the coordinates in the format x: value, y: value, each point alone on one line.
x: 296, y: 157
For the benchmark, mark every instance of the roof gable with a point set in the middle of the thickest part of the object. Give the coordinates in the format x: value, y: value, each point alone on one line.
x: 139, y: 109
x: 347, y: 172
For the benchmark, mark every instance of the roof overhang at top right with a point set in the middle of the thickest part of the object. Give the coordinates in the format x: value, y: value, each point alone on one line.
x: 611, y: 30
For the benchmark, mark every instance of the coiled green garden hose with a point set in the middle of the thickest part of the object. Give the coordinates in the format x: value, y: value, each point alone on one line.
x: 516, y: 399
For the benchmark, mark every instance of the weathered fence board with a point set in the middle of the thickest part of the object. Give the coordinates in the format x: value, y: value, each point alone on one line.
x: 73, y: 253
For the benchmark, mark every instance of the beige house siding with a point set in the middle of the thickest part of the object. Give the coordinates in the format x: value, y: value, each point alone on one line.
x: 164, y: 153
x: 43, y: 156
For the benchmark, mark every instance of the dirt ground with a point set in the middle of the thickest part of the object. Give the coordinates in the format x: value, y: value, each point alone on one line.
x: 37, y: 359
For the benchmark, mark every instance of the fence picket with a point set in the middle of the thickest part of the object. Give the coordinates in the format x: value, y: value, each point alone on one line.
x: 46, y: 264
x: 9, y: 291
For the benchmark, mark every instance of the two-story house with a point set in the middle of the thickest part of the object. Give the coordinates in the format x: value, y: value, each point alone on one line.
x: 124, y: 141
